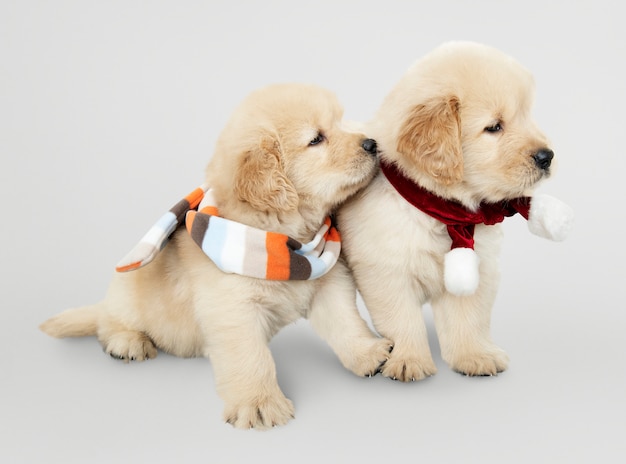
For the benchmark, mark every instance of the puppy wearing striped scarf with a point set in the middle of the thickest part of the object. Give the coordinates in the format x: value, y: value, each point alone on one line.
x: 259, y: 253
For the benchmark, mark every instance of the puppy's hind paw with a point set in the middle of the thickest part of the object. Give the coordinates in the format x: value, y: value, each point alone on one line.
x: 130, y: 346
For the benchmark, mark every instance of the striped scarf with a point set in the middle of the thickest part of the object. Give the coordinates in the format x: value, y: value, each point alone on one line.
x: 235, y: 247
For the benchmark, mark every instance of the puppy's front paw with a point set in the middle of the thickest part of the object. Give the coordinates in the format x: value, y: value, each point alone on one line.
x: 484, y: 363
x: 367, y: 356
x: 129, y: 345
x: 409, y: 369
x: 260, y: 413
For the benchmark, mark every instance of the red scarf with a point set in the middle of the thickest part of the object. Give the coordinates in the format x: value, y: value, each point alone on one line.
x: 458, y: 218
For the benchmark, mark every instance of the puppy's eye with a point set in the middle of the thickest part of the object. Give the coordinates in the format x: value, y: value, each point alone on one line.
x: 317, y: 140
x: 497, y: 127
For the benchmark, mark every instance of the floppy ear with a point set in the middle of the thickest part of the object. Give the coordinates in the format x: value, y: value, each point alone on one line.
x: 431, y: 138
x: 261, y: 181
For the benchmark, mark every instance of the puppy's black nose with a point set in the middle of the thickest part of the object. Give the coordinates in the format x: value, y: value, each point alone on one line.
x: 543, y: 158
x: 369, y: 145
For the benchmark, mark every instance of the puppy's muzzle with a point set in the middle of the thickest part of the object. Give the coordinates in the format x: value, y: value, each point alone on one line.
x: 543, y: 158
x: 369, y: 145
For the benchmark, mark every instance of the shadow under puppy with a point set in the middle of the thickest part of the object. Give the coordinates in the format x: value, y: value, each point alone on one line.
x: 459, y: 153
x: 281, y: 166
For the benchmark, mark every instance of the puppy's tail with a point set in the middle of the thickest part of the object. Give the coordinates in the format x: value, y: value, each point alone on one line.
x: 75, y: 322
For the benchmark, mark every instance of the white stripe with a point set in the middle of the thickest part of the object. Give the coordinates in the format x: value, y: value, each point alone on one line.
x: 255, y: 259
x: 207, y: 200
x: 234, y: 251
x: 307, y: 247
x: 161, y: 230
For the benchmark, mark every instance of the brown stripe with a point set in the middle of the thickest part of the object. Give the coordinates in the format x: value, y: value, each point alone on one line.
x: 199, y: 227
x: 299, y: 267
x: 180, y: 209
x: 293, y: 244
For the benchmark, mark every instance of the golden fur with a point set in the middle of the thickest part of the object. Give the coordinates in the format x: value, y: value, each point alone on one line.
x: 267, y: 174
x: 458, y: 123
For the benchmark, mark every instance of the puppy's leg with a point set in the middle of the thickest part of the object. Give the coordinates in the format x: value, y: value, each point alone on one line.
x: 463, y: 327
x: 245, y: 372
x: 123, y: 342
x: 117, y: 339
x: 335, y: 317
x: 396, y: 312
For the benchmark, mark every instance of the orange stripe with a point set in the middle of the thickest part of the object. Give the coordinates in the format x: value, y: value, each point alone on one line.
x: 128, y: 267
x: 194, y: 198
x: 211, y: 210
x: 277, y: 257
x: 333, y: 235
x: 191, y: 215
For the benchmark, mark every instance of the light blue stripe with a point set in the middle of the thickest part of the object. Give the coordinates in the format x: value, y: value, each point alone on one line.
x: 167, y: 223
x: 318, y: 267
x: 214, y: 239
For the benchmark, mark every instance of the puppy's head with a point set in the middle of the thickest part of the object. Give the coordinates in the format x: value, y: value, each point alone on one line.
x: 464, y: 125
x: 285, y: 151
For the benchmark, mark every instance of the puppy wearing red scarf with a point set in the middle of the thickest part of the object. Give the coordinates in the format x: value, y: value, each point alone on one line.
x: 459, y: 153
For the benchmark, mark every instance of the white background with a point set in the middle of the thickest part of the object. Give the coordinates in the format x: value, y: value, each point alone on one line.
x: 108, y: 114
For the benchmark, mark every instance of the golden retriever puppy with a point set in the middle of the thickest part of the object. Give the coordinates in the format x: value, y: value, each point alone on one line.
x: 456, y: 138
x: 282, y: 164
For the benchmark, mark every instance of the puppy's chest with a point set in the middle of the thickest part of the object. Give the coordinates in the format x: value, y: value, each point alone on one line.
x: 431, y: 235
x: 421, y: 231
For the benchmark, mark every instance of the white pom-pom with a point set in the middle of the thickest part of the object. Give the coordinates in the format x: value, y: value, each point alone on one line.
x: 550, y: 218
x: 460, y: 272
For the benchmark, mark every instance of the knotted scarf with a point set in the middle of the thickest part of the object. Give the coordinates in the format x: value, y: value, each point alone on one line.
x: 238, y: 248
x: 459, y: 220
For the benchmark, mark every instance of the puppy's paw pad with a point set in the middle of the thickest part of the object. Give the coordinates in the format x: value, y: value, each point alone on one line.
x: 409, y: 369
x: 130, y: 346
x: 260, y: 413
